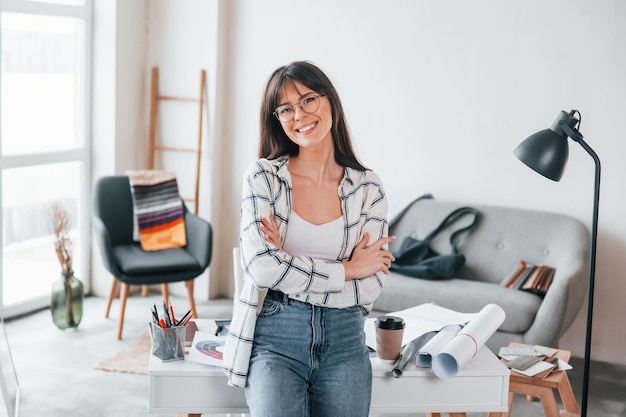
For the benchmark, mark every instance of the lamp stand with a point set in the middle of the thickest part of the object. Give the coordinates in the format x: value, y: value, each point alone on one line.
x: 592, y: 273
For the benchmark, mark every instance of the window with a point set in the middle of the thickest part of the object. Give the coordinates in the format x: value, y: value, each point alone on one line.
x: 44, y: 146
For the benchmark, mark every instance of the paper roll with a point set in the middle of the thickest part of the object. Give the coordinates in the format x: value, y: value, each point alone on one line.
x: 466, y: 343
x: 436, y: 344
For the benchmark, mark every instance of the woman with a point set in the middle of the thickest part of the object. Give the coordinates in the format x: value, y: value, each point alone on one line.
x: 314, y: 251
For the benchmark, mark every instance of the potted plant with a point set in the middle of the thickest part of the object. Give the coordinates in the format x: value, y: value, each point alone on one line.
x: 67, y: 292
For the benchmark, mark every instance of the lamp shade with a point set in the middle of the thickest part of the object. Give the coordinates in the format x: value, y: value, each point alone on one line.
x: 545, y: 152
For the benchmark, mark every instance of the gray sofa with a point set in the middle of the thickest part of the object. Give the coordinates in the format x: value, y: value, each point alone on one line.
x: 503, y: 237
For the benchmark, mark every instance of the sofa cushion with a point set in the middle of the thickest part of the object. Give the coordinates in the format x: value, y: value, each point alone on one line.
x: 467, y: 296
x: 133, y: 260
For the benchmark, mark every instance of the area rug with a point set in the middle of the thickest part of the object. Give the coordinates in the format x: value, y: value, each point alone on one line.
x: 132, y: 358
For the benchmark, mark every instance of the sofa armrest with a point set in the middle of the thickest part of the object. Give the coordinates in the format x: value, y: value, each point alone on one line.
x: 564, y: 298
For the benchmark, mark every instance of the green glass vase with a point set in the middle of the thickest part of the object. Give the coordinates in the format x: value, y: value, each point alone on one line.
x: 67, y: 302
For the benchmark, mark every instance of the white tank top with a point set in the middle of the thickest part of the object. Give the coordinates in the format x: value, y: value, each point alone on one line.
x: 321, y: 241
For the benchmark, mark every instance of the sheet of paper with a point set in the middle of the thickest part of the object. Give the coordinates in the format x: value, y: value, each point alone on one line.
x: 561, y: 365
x: 207, y: 348
x: 544, y: 350
x: 523, y: 362
x: 535, y: 369
x: 517, y: 351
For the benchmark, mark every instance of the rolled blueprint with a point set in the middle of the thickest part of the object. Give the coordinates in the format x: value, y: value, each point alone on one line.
x: 466, y: 343
x: 409, y: 352
x: 436, y: 344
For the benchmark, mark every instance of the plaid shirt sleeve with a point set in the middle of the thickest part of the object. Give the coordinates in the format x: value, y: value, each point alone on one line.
x: 267, y: 188
x: 365, y: 208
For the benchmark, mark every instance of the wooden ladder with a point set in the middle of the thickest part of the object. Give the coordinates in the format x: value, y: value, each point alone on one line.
x: 154, y: 147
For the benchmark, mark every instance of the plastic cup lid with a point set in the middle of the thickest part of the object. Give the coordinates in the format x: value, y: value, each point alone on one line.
x: 390, y: 322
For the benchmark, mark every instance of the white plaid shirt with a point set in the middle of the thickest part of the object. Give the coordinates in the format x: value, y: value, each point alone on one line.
x: 267, y: 187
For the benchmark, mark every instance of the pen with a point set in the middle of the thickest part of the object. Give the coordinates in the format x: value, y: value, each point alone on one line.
x: 220, y: 327
x: 182, y: 319
x: 167, y: 315
x: 173, y: 317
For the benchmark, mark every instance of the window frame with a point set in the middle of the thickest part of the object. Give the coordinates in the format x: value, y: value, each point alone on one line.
x: 80, y: 154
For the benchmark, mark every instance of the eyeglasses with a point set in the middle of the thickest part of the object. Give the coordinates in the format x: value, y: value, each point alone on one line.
x: 309, y: 104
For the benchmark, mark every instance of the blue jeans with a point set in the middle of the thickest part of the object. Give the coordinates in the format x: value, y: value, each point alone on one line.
x: 308, y: 361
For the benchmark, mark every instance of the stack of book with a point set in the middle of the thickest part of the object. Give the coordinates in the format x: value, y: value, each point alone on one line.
x: 530, y: 277
x: 535, y: 361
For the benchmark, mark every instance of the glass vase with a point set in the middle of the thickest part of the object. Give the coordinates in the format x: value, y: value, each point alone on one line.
x: 67, y: 302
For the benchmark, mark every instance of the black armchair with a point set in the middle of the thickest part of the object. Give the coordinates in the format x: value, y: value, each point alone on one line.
x: 128, y: 262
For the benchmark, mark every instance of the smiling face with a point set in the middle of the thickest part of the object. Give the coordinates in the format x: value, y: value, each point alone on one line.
x: 307, y: 130
x: 294, y: 85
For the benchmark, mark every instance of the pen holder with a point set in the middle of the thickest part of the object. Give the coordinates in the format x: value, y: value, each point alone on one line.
x: 168, y: 344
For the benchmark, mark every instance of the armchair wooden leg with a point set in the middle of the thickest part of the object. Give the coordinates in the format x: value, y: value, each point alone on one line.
x: 111, y: 296
x: 192, y: 302
x: 144, y: 290
x: 123, y: 298
x: 165, y: 291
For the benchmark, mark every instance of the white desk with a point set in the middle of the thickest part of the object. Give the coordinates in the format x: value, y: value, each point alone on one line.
x: 189, y: 388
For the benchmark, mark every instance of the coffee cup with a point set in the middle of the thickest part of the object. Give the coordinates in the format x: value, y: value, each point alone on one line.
x: 389, y: 332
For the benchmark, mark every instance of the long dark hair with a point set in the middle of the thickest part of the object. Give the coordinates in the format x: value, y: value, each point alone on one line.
x: 274, y: 142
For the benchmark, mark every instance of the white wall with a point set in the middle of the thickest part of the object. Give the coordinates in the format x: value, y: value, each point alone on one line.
x: 437, y: 94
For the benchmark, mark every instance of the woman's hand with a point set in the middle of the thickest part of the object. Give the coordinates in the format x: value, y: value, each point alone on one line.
x: 368, y: 260
x: 269, y: 228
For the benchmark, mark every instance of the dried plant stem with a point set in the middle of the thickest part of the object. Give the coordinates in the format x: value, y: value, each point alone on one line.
x: 62, y: 242
x: 63, y: 248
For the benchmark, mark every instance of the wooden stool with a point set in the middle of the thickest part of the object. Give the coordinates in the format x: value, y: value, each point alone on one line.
x: 543, y: 388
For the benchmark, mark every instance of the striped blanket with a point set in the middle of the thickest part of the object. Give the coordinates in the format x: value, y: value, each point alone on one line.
x: 159, y: 222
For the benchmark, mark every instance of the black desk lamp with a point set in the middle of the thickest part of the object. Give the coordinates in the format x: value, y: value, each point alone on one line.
x: 546, y: 152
